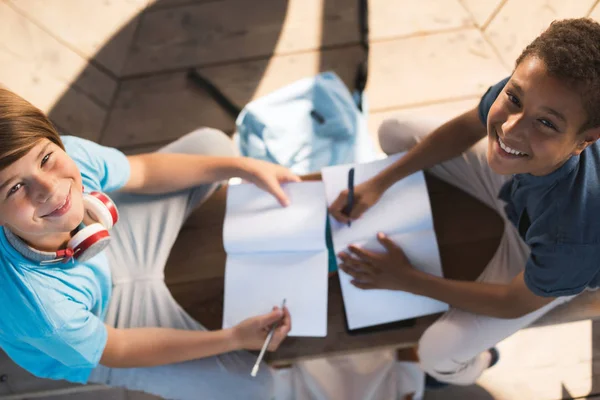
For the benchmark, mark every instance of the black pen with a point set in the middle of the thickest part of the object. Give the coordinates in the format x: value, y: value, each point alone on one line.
x: 348, y: 208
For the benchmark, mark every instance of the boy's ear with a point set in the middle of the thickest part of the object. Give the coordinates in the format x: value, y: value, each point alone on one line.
x: 587, y: 138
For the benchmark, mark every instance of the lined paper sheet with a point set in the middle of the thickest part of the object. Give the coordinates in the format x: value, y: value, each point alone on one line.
x: 404, y: 214
x: 276, y: 252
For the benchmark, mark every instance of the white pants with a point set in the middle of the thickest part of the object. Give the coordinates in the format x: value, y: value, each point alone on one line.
x: 452, y: 349
x: 141, y: 243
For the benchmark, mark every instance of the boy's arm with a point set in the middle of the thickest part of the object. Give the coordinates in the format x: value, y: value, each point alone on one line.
x: 392, y: 270
x: 147, y: 347
x: 155, y: 173
x: 446, y: 142
x: 511, y: 300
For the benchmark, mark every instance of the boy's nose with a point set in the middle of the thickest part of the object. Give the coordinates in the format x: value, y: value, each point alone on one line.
x: 44, y: 188
x: 513, y: 127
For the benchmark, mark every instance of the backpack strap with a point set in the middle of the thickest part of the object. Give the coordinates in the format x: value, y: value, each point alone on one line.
x: 362, y: 71
x: 200, y: 81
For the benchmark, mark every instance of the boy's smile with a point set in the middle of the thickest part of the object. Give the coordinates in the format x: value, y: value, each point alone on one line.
x: 41, y: 197
x: 534, y: 124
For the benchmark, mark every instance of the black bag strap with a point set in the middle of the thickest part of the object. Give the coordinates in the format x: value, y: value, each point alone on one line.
x: 360, y: 79
x: 362, y: 71
x: 194, y: 76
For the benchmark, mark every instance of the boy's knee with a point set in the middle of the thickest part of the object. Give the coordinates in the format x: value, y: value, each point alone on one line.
x: 211, y: 142
x: 396, y: 135
x: 439, y: 343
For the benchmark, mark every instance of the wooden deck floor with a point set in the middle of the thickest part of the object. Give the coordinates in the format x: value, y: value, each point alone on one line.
x: 114, y: 72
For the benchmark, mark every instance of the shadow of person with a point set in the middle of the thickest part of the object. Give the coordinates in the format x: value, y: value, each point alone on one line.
x: 144, y: 99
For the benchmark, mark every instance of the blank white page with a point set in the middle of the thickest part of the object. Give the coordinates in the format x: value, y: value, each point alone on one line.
x: 404, y: 207
x: 375, y: 306
x: 276, y: 252
x: 254, y: 283
x: 255, y: 221
x: 403, y: 212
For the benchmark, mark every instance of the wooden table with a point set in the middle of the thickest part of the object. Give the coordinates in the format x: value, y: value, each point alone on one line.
x: 468, y: 234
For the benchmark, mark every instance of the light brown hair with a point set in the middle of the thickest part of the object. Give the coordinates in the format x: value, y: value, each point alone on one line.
x: 22, y: 126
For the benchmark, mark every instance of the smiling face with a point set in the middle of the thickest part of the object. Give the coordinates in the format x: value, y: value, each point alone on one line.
x: 534, y: 126
x: 41, y: 196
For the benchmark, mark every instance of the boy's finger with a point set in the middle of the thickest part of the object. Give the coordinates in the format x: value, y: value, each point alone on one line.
x: 289, y: 177
x: 272, y: 317
x: 277, y: 191
x: 362, y: 253
x: 338, y: 204
x: 287, y: 319
x: 362, y: 285
x: 358, y: 210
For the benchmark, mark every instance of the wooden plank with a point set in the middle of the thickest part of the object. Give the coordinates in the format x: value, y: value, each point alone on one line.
x: 159, y: 109
x: 242, y: 82
x: 164, y: 107
x: 30, y: 45
x: 407, y: 72
x: 225, y: 31
x: 156, y: 4
x: 510, y: 42
x: 394, y: 18
x: 99, y: 30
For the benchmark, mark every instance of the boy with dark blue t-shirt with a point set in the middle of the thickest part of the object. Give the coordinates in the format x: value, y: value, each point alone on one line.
x: 529, y: 151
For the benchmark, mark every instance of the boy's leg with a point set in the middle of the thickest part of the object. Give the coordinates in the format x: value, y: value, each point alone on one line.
x: 140, y: 245
x: 454, y: 348
x: 149, y: 224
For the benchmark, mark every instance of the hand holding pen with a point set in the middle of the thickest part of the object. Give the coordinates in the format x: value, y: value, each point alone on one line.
x: 355, y: 200
x: 251, y: 334
x: 347, y: 210
x: 266, y: 344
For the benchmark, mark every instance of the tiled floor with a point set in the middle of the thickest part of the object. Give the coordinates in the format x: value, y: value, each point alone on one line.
x: 114, y: 71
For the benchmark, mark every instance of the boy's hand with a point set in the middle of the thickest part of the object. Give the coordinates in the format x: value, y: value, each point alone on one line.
x: 370, y: 270
x: 251, y: 333
x: 365, y: 196
x: 269, y: 177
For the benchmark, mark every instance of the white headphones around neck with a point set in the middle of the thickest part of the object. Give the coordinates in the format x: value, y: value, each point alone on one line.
x: 100, y: 215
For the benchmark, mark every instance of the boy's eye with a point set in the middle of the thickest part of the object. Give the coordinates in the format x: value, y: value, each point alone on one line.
x: 14, y: 189
x: 513, y: 99
x: 547, y: 123
x: 46, y: 158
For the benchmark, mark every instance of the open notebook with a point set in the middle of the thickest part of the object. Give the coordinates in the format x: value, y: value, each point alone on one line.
x: 403, y: 213
x: 276, y: 252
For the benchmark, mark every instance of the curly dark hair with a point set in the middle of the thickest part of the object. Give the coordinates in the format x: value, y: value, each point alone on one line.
x: 570, y: 49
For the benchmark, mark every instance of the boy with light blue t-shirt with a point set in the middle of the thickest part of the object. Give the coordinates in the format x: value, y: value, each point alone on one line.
x: 109, y: 318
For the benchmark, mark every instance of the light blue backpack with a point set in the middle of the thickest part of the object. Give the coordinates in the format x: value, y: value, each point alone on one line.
x: 310, y: 124
x: 307, y: 125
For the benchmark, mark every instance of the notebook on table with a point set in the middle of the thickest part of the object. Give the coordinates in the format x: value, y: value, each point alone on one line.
x: 403, y: 213
x: 276, y: 252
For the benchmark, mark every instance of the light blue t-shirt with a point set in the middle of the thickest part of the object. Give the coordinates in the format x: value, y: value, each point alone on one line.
x: 52, y: 319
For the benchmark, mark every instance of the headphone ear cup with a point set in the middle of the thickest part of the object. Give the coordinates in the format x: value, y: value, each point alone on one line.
x: 100, y: 208
x: 89, y: 241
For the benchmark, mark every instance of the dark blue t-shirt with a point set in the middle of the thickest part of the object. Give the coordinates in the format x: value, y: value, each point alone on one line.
x: 558, y: 216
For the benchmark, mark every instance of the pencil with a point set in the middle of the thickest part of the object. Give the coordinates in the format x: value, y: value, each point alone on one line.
x: 265, y: 345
